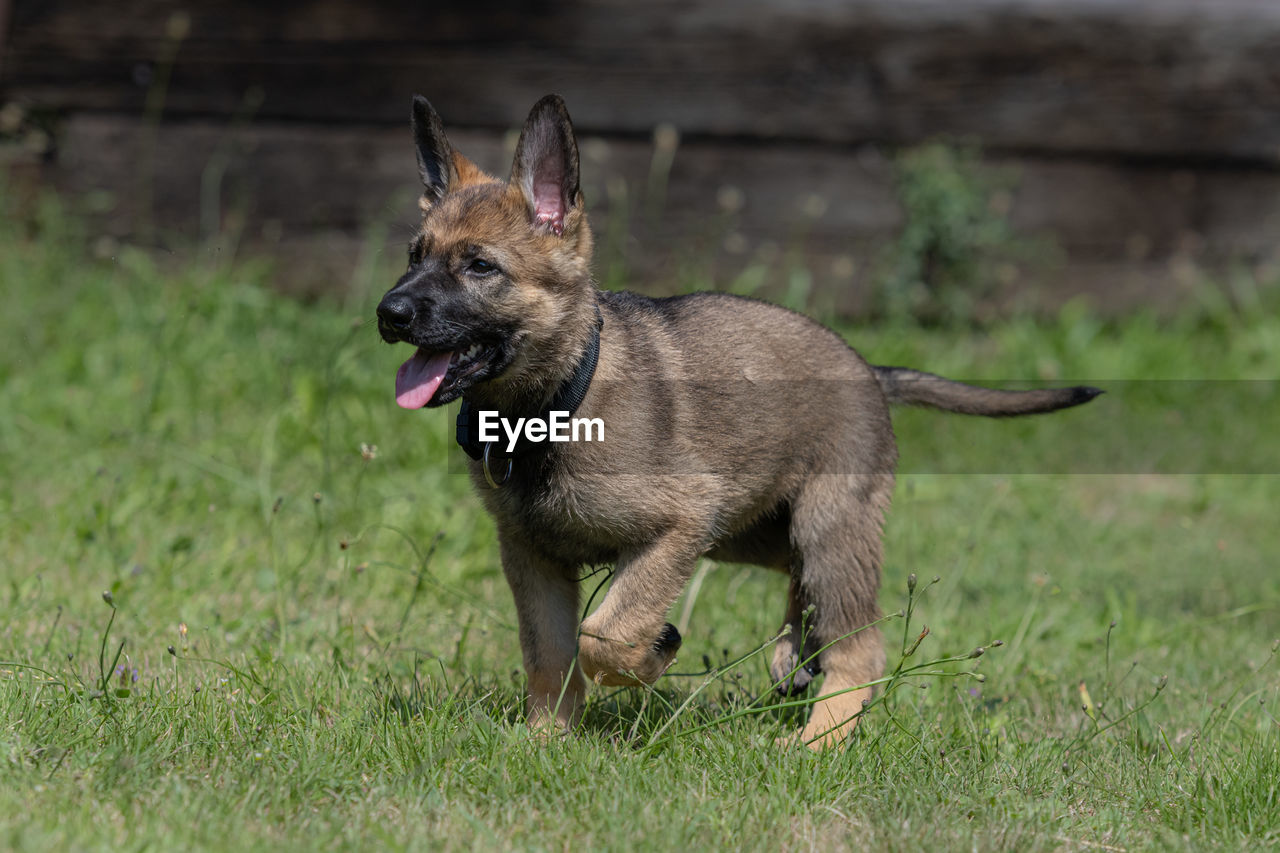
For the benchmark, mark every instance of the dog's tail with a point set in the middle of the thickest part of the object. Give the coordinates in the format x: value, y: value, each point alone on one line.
x: 917, y: 388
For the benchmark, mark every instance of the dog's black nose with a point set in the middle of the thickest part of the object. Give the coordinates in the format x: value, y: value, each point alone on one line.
x: 396, y: 312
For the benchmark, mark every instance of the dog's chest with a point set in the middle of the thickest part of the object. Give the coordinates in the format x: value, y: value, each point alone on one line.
x: 573, y: 520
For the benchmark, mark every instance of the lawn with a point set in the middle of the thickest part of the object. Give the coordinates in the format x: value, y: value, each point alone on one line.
x: 249, y: 602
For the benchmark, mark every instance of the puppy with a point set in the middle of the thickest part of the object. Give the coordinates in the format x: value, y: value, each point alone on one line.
x: 731, y: 428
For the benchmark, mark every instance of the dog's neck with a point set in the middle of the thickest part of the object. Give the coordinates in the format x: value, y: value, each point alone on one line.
x: 565, y: 396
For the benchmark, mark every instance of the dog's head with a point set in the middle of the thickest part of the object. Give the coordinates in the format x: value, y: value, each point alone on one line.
x: 498, y: 286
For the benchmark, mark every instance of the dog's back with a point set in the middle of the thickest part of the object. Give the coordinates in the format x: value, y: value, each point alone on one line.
x: 742, y: 388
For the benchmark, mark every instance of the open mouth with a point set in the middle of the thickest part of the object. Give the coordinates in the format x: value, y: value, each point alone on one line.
x: 433, y: 378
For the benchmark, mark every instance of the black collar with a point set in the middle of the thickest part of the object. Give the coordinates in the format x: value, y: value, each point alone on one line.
x: 568, y: 398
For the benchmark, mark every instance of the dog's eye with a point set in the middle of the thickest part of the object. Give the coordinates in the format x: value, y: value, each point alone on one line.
x: 479, y: 266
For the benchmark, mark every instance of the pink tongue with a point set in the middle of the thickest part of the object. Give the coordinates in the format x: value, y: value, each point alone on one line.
x: 419, y: 377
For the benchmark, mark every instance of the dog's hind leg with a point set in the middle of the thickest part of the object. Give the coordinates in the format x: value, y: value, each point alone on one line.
x: 795, y: 662
x: 546, y: 597
x: 836, y: 530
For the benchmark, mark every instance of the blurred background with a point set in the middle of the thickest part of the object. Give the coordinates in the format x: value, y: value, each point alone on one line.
x: 938, y: 158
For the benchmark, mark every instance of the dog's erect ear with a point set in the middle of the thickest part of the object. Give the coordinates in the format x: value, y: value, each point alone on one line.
x: 546, y: 165
x: 435, y: 155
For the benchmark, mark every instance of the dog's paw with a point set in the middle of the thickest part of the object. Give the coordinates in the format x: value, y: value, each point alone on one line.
x: 791, y: 679
x: 617, y: 663
x: 668, y: 642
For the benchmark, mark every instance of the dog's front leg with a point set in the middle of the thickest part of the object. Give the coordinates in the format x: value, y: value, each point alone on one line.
x: 546, y: 596
x: 627, y: 640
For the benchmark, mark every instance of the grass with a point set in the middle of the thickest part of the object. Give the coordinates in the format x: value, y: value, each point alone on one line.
x: 309, y: 645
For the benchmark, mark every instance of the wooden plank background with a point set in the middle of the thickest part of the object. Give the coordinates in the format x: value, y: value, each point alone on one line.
x: 1144, y: 134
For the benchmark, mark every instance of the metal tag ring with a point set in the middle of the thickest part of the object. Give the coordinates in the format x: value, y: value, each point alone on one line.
x: 488, y: 474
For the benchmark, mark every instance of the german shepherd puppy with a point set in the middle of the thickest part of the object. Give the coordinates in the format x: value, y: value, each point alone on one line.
x: 733, y: 429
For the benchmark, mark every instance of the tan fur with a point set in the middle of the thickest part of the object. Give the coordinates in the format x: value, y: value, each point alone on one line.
x: 733, y: 429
